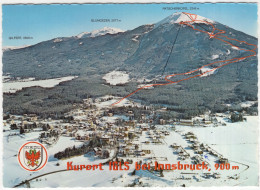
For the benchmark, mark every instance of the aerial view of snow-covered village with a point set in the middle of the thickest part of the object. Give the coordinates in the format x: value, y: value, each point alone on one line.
x: 166, y: 100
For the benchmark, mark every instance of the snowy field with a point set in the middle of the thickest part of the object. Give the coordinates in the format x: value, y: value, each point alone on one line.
x: 108, y: 103
x: 116, y: 77
x: 13, y: 87
x: 237, y: 141
x: 13, y: 144
x: 247, y: 104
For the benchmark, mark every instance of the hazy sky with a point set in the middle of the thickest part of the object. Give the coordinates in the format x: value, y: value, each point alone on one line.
x: 44, y: 22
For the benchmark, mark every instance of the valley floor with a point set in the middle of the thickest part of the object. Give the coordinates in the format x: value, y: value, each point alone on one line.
x: 238, y: 142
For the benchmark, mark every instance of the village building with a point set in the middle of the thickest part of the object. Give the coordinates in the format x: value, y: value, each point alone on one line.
x: 186, y: 122
x: 223, y: 160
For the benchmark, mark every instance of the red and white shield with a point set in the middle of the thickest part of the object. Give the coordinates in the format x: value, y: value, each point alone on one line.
x: 32, y: 156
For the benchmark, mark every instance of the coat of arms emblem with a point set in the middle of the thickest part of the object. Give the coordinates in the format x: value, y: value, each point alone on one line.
x: 32, y: 156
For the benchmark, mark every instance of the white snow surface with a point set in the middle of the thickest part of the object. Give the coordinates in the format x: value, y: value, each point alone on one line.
x: 148, y: 86
x: 205, y: 69
x: 235, y: 48
x: 108, y: 103
x: 247, y: 104
x: 57, y: 40
x: 228, y: 52
x: 237, y: 141
x: 182, y: 17
x: 116, y: 77
x: 135, y: 39
x: 214, y: 57
x: 100, y: 32
x: 14, y: 86
x: 6, y: 48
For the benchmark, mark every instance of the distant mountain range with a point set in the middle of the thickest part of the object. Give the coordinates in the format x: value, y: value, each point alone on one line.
x: 7, y: 48
x: 100, y: 32
x: 92, y: 34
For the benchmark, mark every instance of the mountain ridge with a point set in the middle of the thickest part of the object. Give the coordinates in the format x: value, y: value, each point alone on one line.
x: 142, y: 53
x: 99, y: 32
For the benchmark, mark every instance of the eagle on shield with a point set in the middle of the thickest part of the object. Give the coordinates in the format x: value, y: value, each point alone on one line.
x: 33, y: 157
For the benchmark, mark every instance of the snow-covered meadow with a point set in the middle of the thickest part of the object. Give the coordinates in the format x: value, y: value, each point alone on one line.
x: 14, y: 86
x: 236, y: 141
x: 116, y: 77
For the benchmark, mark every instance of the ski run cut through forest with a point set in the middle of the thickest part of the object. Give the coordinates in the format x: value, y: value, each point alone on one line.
x: 216, y: 34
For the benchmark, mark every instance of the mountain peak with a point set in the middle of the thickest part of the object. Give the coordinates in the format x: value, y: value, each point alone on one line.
x: 182, y: 17
x: 100, y: 32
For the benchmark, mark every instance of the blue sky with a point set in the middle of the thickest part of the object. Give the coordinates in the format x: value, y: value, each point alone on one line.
x: 44, y: 22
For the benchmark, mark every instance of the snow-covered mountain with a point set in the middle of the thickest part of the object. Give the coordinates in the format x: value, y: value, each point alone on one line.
x: 6, y: 48
x: 182, y: 17
x: 147, y: 52
x: 100, y: 32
